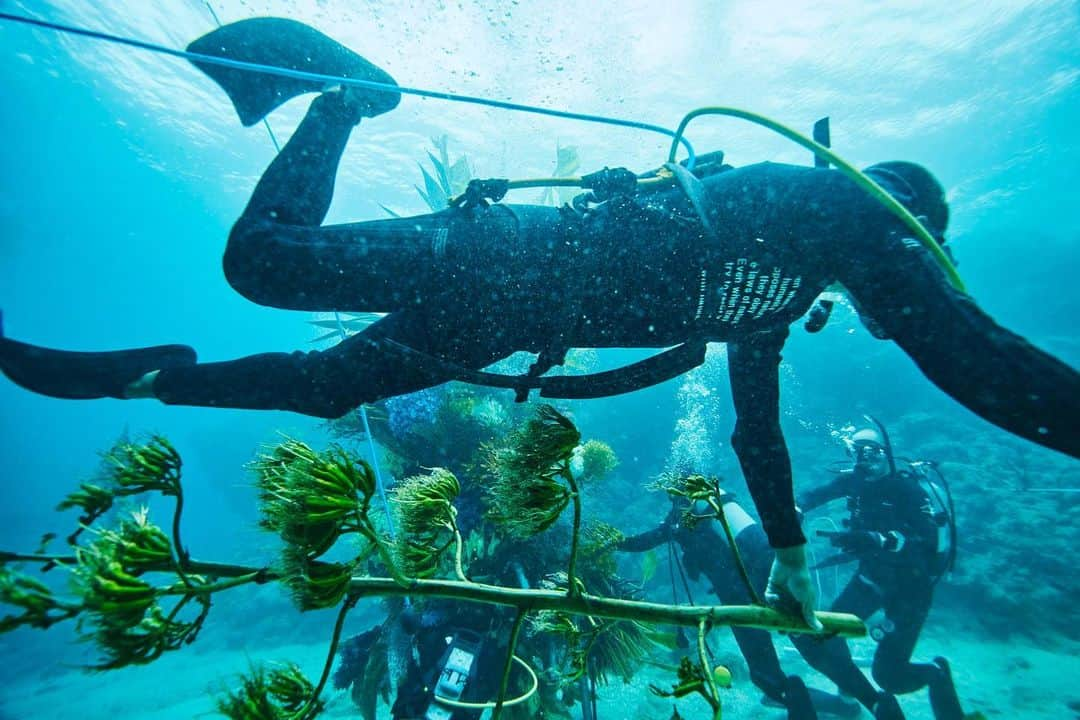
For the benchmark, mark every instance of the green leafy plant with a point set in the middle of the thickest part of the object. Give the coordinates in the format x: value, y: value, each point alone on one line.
x: 446, y: 179
x: 598, y: 460
x: 567, y: 164
x: 129, y: 469
x: 278, y: 693
x: 425, y: 510
x: 137, y: 595
x: 531, y: 479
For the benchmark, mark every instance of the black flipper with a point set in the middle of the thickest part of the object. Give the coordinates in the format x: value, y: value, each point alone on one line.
x: 286, y: 44
x: 797, y: 700
x: 828, y: 704
x: 85, y: 375
x: 943, y: 698
x: 887, y: 708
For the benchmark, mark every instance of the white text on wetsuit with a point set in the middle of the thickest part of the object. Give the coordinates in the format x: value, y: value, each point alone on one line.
x: 746, y: 290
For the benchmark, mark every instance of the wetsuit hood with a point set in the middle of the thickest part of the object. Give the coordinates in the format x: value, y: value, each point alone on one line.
x: 917, y: 190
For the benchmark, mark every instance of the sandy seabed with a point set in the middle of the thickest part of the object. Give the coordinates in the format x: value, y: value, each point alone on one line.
x: 1014, y: 679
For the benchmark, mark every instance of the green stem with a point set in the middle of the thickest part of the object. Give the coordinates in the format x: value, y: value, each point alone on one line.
x: 575, y: 497
x: 184, y: 589
x: 459, y: 549
x: 6, y: 557
x: 757, y: 616
x: 714, y: 695
x: 719, y: 510
x: 515, y: 631
x: 348, y: 605
x: 532, y: 600
x: 180, y: 555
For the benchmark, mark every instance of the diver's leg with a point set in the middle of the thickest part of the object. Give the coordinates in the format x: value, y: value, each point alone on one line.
x: 757, y: 649
x: 279, y: 255
x: 832, y: 657
x: 358, y: 370
x: 893, y: 669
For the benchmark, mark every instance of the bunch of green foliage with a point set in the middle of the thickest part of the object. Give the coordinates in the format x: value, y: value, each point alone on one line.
x: 116, y: 606
x: 424, y: 505
x: 447, y: 179
x: 138, y: 594
x: 598, y: 460
x: 277, y: 693
x: 531, y: 483
x: 311, y: 500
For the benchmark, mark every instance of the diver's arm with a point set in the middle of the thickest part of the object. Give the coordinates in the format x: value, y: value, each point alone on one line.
x: 753, y: 364
x: 990, y: 370
x: 646, y: 540
x: 825, y: 493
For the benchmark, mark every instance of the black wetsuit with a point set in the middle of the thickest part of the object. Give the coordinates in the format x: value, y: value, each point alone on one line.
x: 703, y: 552
x: 702, y: 555
x: 898, y: 578
x: 474, y: 286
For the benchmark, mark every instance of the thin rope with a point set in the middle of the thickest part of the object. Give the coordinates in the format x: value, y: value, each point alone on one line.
x: 265, y: 122
x: 362, y: 412
x: 334, y: 79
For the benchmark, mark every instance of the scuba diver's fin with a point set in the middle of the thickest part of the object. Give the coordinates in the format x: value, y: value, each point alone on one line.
x: 826, y: 703
x: 85, y: 375
x: 797, y: 700
x: 290, y: 45
x: 887, y: 708
x: 944, y: 701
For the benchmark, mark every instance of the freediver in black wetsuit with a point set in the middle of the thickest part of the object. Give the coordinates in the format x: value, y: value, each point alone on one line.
x: 900, y: 531
x: 473, y: 284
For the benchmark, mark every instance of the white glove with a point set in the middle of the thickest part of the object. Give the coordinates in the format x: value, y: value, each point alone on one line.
x: 790, y: 589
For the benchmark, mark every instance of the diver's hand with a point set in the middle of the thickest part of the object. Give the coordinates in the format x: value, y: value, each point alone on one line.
x: 790, y: 588
x: 860, y: 542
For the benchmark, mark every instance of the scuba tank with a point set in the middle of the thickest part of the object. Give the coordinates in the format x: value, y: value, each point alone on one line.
x: 941, y: 509
x: 457, y: 668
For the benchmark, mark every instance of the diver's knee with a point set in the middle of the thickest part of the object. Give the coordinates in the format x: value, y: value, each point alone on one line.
x: 241, y: 259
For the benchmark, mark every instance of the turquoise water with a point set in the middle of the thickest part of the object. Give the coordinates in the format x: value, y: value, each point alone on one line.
x: 123, y: 172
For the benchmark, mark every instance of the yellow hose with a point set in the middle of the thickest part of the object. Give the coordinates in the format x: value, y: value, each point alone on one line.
x: 486, y: 705
x: 859, y: 177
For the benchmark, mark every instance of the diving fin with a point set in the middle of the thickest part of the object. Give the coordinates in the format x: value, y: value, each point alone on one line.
x: 887, y: 708
x: 85, y: 375
x: 291, y: 45
x: 797, y: 700
x: 836, y: 705
x: 944, y: 701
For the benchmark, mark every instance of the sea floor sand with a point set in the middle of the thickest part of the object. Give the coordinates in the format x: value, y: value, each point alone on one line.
x: 1014, y: 679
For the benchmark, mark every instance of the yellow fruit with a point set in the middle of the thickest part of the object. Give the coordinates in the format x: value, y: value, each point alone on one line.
x: 722, y: 676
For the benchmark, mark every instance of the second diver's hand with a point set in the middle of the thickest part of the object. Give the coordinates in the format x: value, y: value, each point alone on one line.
x: 790, y: 587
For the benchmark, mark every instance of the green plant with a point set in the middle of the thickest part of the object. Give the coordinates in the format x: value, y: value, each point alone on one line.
x: 704, y: 502
x: 567, y: 164
x: 278, y: 693
x: 446, y: 179
x: 425, y: 510
x: 136, y: 595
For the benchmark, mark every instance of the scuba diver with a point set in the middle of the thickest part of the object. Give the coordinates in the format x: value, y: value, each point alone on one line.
x: 718, y: 255
x: 901, y: 531
x: 703, y: 551
x: 447, y: 653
